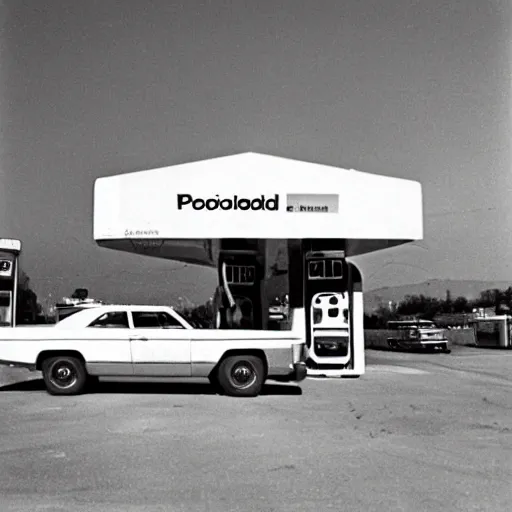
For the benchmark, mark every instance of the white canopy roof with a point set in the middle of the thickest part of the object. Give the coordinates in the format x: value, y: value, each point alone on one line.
x: 307, y: 200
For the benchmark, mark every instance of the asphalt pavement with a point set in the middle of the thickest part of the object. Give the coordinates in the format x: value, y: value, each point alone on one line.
x: 418, y: 432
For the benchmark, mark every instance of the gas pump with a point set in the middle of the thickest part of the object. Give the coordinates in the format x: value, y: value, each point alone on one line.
x: 332, y: 323
x: 9, y: 253
x: 326, y: 304
x: 239, y: 300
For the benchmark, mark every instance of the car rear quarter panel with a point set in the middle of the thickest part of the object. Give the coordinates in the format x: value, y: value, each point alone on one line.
x: 206, y: 352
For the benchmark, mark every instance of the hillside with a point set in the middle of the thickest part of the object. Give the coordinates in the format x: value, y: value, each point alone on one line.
x: 433, y: 288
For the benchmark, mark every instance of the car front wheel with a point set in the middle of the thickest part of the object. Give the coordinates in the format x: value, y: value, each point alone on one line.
x: 64, y: 375
x: 241, y: 375
x: 445, y: 349
x: 393, y: 345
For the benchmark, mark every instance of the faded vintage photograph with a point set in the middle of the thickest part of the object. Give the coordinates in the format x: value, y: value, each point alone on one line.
x: 254, y: 255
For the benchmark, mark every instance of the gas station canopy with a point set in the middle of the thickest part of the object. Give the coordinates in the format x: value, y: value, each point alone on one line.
x: 178, y: 209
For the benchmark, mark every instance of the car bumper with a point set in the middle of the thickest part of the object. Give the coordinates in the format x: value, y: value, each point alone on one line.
x: 426, y: 343
x: 417, y: 344
x: 300, y: 371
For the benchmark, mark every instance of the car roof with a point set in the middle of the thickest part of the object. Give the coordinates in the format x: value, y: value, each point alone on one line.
x: 87, y: 315
x: 410, y: 322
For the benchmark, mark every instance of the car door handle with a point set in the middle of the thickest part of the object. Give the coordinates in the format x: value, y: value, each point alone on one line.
x: 138, y: 338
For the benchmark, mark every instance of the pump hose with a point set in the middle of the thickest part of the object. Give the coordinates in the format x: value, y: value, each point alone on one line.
x: 234, y: 313
x: 226, y: 286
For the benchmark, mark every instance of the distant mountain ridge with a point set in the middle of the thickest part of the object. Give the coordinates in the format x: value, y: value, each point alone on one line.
x: 435, y: 288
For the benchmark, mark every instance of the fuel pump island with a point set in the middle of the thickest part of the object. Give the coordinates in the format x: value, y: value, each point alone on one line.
x: 269, y: 226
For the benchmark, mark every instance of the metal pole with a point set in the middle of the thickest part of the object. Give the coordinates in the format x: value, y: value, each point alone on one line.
x: 15, y: 291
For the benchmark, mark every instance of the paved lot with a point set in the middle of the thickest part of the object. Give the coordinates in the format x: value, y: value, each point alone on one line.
x: 416, y: 433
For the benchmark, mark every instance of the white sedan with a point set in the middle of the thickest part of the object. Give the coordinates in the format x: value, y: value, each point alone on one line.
x: 151, y: 341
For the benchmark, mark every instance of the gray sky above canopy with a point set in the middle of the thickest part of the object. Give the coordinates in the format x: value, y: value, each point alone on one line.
x: 419, y: 90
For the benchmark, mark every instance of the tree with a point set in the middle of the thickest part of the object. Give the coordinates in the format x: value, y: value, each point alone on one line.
x: 80, y: 294
x: 508, y: 296
x: 487, y: 299
x: 414, y: 305
x: 447, y: 306
x: 379, y: 319
x: 497, y: 299
x: 199, y: 316
x: 27, y: 305
x: 461, y: 305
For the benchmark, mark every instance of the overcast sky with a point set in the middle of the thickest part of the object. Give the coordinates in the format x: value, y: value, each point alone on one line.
x: 412, y: 89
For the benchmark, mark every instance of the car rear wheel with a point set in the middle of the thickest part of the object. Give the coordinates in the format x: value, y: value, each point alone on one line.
x: 64, y: 375
x: 241, y: 375
x: 392, y: 344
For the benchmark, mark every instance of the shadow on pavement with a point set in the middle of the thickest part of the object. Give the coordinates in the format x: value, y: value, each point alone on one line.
x: 481, y: 349
x: 149, y: 388
x: 406, y: 350
x: 26, y: 385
